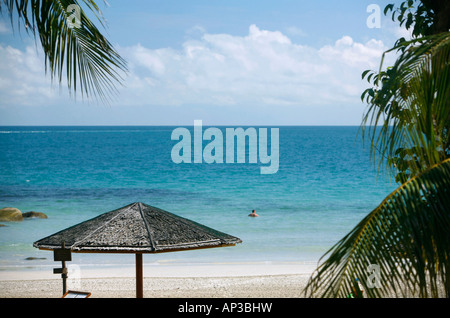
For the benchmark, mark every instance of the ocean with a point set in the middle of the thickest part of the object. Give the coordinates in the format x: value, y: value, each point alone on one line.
x: 324, y: 186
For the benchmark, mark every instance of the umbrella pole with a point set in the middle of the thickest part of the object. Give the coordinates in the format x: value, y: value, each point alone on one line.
x: 139, y: 276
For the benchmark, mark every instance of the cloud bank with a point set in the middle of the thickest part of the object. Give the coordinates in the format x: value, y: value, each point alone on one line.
x: 261, y: 68
x: 22, y: 78
x: 264, y: 67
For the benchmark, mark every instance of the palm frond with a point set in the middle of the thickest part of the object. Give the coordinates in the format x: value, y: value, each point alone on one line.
x: 406, y: 237
x: 79, y: 53
x: 410, y: 109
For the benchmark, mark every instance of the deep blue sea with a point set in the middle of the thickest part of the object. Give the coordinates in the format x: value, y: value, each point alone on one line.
x: 325, y: 185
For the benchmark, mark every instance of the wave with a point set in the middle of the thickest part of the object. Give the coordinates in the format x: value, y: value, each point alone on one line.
x: 82, y: 129
x: 24, y: 131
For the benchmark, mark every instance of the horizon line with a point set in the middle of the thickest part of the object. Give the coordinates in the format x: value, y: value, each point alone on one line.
x: 181, y: 125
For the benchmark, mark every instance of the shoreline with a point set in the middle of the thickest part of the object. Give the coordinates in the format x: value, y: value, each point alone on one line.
x: 164, y: 281
x: 162, y: 270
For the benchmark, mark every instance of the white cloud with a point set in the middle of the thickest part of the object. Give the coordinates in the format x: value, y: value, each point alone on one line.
x: 352, y: 54
x: 22, y: 78
x: 264, y: 67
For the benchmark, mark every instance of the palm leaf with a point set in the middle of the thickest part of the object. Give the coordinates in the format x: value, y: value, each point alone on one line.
x: 81, y: 54
x: 407, y: 236
x: 410, y: 109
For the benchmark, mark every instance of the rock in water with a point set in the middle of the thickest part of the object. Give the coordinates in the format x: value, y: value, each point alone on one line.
x: 33, y: 214
x: 10, y: 214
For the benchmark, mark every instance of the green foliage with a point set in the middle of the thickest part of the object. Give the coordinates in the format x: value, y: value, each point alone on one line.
x: 424, y: 17
x: 408, y: 121
x: 406, y: 236
x: 408, y: 126
x: 81, y: 54
x: 408, y: 118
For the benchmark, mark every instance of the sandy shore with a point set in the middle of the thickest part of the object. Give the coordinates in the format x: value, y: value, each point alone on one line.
x: 177, y: 281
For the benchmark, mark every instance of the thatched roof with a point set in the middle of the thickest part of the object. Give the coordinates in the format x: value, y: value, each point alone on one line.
x: 137, y: 228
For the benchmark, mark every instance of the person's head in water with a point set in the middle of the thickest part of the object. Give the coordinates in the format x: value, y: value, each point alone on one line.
x: 253, y: 214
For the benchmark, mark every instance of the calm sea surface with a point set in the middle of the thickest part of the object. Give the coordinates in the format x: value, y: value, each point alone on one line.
x: 325, y: 185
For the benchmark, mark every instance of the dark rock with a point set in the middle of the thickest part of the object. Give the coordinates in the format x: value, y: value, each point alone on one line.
x: 33, y: 214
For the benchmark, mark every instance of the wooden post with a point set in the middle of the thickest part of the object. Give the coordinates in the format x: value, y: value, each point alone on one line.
x: 62, y: 254
x: 64, y: 273
x: 64, y: 277
x: 139, y: 276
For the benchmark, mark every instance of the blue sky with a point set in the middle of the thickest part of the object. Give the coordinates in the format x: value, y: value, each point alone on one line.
x: 225, y: 62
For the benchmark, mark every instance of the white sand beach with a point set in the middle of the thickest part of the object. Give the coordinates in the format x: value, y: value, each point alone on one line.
x: 165, y: 281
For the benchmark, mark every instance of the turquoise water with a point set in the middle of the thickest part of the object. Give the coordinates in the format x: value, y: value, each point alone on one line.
x: 325, y: 184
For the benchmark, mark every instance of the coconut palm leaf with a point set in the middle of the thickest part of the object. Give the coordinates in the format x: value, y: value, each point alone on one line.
x: 408, y: 118
x: 73, y: 46
x: 406, y: 239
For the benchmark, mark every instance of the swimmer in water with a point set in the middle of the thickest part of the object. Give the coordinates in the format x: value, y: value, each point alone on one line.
x: 253, y: 214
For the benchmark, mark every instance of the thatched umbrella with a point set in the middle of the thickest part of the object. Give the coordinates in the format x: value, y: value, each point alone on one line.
x: 136, y: 228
